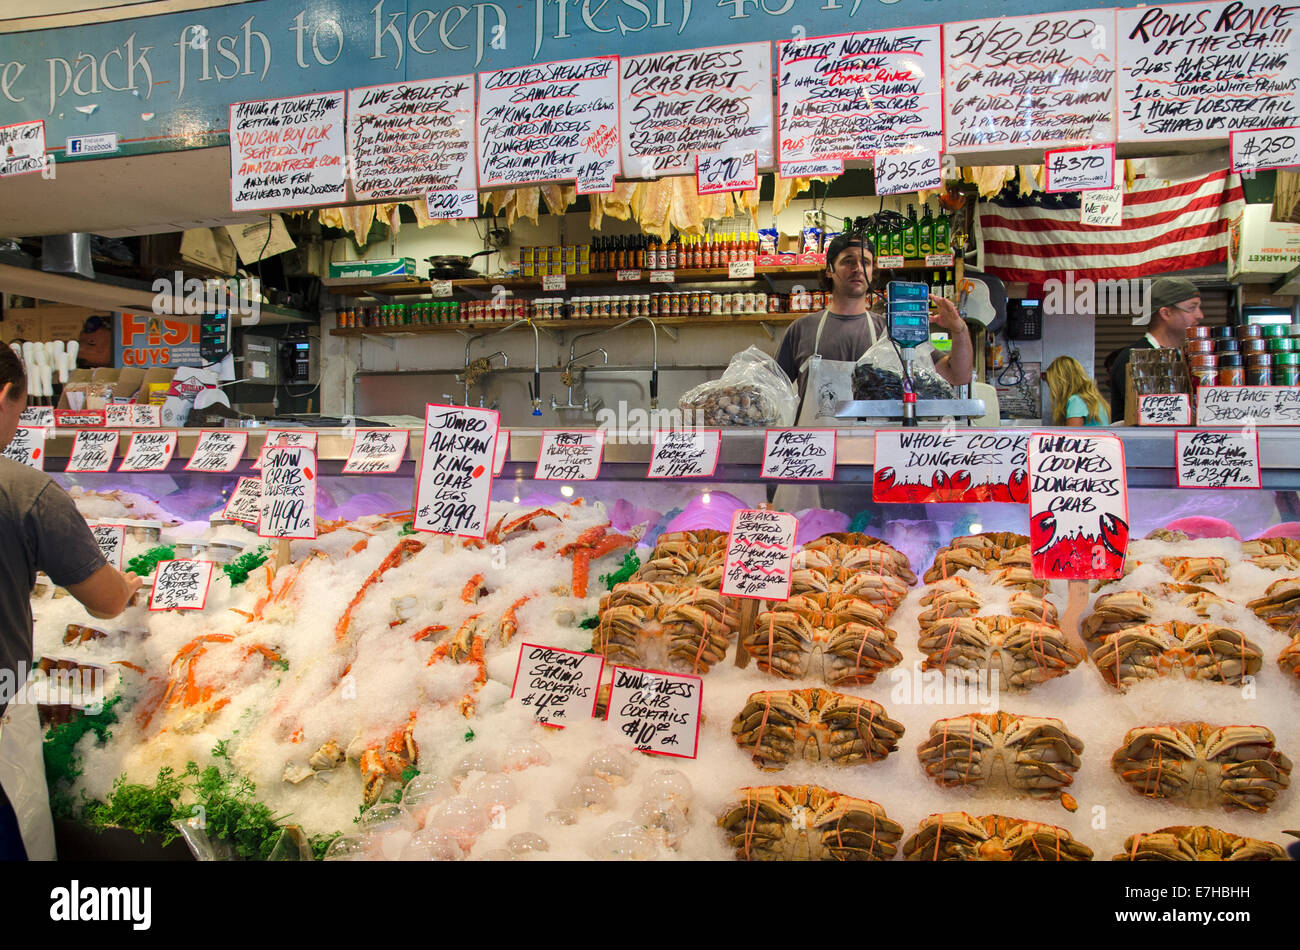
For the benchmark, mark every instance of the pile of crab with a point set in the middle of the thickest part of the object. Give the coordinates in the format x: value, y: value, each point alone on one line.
x: 1280, y: 609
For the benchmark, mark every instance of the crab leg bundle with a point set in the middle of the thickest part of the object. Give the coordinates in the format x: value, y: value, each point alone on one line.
x: 1202, y: 765
x: 380, y: 763
x: 815, y: 725
x: 1197, y: 843
x: 1028, y: 753
x: 957, y: 836
x: 592, y: 545
x: 808, y: 823
x: 1206, y: 651
x: 1023, y: 652
x: 792, y: 642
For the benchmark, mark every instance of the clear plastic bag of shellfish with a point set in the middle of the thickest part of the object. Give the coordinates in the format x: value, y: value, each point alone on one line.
x: 752, y: 391
x: 879, y: 373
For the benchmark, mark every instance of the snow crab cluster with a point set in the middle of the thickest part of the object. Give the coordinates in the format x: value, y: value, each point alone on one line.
x: 1197, y: 843
x: 1201, y: 765
x: 1021, y: 652
x: 1031, y: 754
x: 1204, y: 651
x: 957, y: 836
x: 808, y: 823
x: 815, y: 725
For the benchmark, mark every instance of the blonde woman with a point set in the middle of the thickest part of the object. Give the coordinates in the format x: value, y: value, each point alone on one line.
x: 1075, y: 398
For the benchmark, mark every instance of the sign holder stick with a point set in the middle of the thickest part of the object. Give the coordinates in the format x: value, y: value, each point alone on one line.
x: 1072, y: 620
x: 281, y: 554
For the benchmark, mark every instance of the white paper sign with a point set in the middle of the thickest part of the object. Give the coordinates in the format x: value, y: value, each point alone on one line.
x: 148, y: 452
x: 569, y: 456
x: 1204, y: 70
x: 287, y: 153
x: 22, y: 148
x: 1102, y: 209
x: 690, y: 453
x: 1033, y: 81
x: 967, y: 466
x: 1217, y: 458
x: 502, y: 451
x: 27, y: 446
x: 440, y: 288
x: 715, y: 174
x: 554, y: 282
x: 245, y: 504
x: 1081, y: 169
x: 145, y: 416
x: 37, y: 416
x: 181, y: 585
x: 898, y: 174
x: 1261, y: 405
x: 658, y: 712
x: 456, y: 470
x: 686, y: 103
x: 799, y: 453
x: 740, y: 270
x: 596, y: 175
x: 662, y: 277
x: 446, y: 205
x: 111, y: 539
x: 854, y: 95
x: 287, y: 505
x: 306, y: 438
x: 410, y: 138
x: 92, y: 451
x: 218, y: 450
x: 625, y: 275
x: 1166, y: 409
x: 118, y: 415
x: 1078, y: 506
x: 376, y: 451
x: 760, y: 552
x: 812, y: 169
x: 546, y: 121
x: 560, y: 685
x: 1261, y: 149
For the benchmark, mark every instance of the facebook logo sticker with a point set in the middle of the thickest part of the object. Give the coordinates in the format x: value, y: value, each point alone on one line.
x: 103, y: 143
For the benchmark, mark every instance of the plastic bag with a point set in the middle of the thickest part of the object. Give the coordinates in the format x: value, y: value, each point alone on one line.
x: 879, y: 374
x: 752, y: 391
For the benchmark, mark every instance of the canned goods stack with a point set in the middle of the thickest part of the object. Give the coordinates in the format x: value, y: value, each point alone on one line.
x: 551, y: 261
x: 1249, y: 355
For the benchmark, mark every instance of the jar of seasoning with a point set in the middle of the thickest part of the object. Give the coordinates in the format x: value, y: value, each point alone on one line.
x: 1276, y: 330
x: 1227, y: 345
x: 1255, y: 344
x: 1220, y: 332
x: 818, y: 300
x: 1198, y: 333
x: 760, y: 302
x: 1249, y: 331
x: 1199, y: 346
x: 1231, y: 372
x: 1259, y: 369
x: 693, y: 304
x: 749, y: 301
x: 1205, y: 375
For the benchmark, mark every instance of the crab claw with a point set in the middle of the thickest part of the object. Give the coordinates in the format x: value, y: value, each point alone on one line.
x: 961, y: 482
x: 1042, y: 527
x: 882, y: 483
x: 1019, y: 486
x: 939, y: 482
x: 1114, y: 534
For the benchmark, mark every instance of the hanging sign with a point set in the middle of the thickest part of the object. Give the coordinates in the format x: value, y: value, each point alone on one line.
x: 1165, y: 409
x: 1217, y: 458
x: 27, y: 446
x: 854, y: 95
x: 148, y: 452
x: 1078, y: 506
x: 111, y: 539
x: 715, y: 174
x: 950, y: 465
x: 376, y: 451
x: 569, y: 456
x: 287, y: 505
x: 544, y: 122
x: 596, y: 175
x: 1091, y: 168
x: 1256, y: 150
x: 22, y: 147
x: 688, y: 453
x: 1205, y: 70
x: 181, y: 585
x: 455, y: 480
x: 502, y: 451
x: 287, y: 153
x: 245, y: 504
x: 684, y: 104
x: 658, y: 712
x: 218, y: 450
x: 560, y: 685
x: 92, y: 451
x: 760, y: 553
x: 1261, y: 405
x: 1102, y: 209
x: 899, y: 174
x: 447, y: 205
x: 806, y: 454
x: 410, y: 138
x: 1034, y: 81
x: 37, y: 416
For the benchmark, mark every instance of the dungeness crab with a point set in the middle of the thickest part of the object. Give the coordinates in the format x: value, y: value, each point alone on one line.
x: 1024, y: 652
x: 1280, y: 605
x: 665, y: 628
x: 1131, y: 608
x: 957, y: 836
x: 842, y: 635
x: 1205, y: 651
x: 808, y: 823
x: 1002, y: 750
x: 1197, y: 843
x: 815, y: 725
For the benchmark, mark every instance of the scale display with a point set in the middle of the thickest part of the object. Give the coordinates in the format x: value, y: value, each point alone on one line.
x: 908, y: 306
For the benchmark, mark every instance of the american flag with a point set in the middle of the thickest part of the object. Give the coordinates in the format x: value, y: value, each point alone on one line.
x: 1167, y: 227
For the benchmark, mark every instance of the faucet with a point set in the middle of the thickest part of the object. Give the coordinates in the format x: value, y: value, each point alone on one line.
x: 569, y: 380
x: 654, y: 369
x: 534, y: 390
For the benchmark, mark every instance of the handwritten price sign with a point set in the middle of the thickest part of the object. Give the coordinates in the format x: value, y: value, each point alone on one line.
x: 658, y: 712
x: 1260, y: 405
x: 1261, y: 149
x: 800, y: 454
x: 760, y: 551
x: 40, y: 417
x: 304, y: 438
x: 92, y: 451
x: 1217, y: 458
x: 715, y: 174
x: 111, y: 539
x: 27, y: 446
x: 559, y: 685
x: 287, y: 506
x: 181, y: 585
x: 687, y: 454
x: 376, y: 451
x: 961, y: 466
x: 217, y: 451
x: 897, y: 174
x: 447, y: 205
x: 1081, y: 169
x: 245, y: 503
x: 812, y: 169
x: 451, y: 496
x: 1078, y: 506
x: 118, y: 415
x: 78, y: 418
x: 596, y: 176
x: 148, y: 452
x: 287, y: 153
x: 570, y: 456
x: 1166, y: 409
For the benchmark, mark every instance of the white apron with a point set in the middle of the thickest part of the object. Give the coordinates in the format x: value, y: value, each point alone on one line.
x: 826, y: 383
x: 22, y: 775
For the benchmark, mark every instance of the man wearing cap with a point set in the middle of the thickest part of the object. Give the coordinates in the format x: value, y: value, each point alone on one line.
x: 1176, y: 306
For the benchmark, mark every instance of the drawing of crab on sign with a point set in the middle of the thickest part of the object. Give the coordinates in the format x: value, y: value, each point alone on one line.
x: 950, y: 465
x: 1078, y: 506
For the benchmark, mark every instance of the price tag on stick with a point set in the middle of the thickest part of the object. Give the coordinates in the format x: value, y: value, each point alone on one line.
x: 455, y: 477
x: 658, y: 712
x: 287, y: 505
x: 111, y: 539
x: 560, y: 685
x: 245, y: 504
x: 181, y: 585
x: 1078, y: 506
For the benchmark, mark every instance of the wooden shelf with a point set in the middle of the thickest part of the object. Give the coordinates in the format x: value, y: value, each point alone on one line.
x: 748, y: 319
